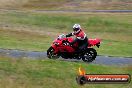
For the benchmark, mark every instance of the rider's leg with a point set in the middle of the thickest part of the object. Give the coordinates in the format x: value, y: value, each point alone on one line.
x: 82, y: 48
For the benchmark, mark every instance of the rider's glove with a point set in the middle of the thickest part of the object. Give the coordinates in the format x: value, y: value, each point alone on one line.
x: 69, y: 35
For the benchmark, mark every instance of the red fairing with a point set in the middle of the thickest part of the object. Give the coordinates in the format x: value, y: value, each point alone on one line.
x: 60, y: 45
x: 93, y: 42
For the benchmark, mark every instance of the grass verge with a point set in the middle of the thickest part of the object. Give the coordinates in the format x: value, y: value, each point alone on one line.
x: 27, y: 73
x: 67, y: 4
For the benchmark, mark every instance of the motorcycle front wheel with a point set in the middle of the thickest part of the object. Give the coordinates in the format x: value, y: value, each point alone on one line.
x: 51, y: 54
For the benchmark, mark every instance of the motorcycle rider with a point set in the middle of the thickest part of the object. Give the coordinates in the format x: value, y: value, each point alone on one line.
x: 81, y: 38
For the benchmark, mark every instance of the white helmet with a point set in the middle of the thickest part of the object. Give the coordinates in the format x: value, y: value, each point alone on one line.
x: 76, y: 28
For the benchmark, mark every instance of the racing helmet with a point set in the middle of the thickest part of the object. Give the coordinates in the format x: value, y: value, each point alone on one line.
x: 76, y: 28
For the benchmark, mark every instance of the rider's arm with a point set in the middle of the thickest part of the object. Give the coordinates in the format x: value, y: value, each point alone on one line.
x: 69, y: 35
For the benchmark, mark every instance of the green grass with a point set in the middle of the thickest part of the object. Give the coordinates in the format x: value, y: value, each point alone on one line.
x: 36, y: 31
x: 27, y: 73
x: 67, y: 4
x: 78, y: 4
x: 23, y: 40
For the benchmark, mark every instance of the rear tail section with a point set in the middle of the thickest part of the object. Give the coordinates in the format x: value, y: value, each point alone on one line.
x: 94, y: 42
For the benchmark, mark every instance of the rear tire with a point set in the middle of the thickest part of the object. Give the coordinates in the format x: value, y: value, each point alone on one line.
x: 89, y: 55
x: 51, y: 54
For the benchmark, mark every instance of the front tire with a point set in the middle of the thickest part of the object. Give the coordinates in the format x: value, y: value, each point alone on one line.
x: 89, y: 55
x: 51, y: 54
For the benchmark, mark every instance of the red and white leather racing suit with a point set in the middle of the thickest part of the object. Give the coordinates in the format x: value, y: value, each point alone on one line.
x: 81, y: 38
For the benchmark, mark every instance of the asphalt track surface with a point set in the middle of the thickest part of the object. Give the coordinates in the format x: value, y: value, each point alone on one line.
x: 103, y: 60
x: 105, y: 11
x: 63, y: 11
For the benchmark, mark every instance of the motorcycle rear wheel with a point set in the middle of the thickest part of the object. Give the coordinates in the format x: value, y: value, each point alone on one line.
x: 51, y: 54
x: 89, y: 55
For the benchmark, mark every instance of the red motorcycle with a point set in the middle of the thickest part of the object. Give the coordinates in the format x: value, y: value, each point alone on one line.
x: 61, y: 47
